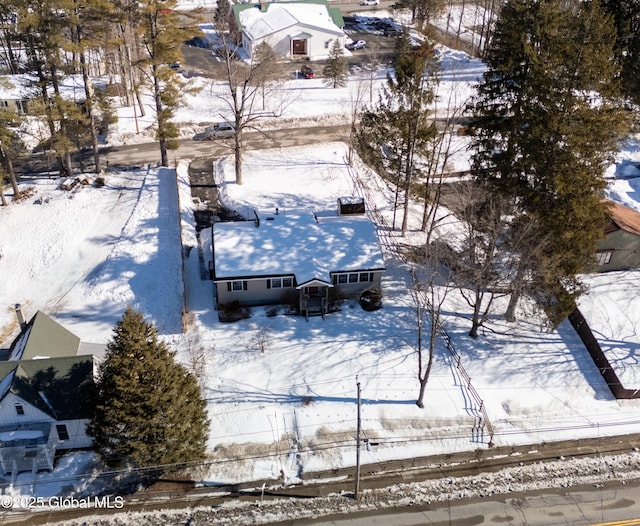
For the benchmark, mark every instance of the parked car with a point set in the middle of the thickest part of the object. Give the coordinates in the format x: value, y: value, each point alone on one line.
x: 200, y: 42
x: 391, y: 32
x: 358, y: 44
x: 382, y: 24
x: 369, y: 2
x: 220, y: 130
x: 306, y: 72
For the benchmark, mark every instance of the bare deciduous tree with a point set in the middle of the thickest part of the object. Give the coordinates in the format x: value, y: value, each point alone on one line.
x: 430, y: 284
x: 245, y: 82
x: 481, y: 269
x: 259, y: 338
x: 197, y: 356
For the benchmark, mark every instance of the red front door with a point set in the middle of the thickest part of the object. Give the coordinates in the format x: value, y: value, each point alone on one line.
x: 299, y: 47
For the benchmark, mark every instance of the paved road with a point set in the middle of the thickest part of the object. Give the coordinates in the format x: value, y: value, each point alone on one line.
x: 190, y: 149
x: 149, y: 152
x: 449, y: 465
x: 578, y: 506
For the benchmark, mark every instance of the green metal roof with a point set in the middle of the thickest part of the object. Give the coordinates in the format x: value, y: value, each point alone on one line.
x: 46, y: 338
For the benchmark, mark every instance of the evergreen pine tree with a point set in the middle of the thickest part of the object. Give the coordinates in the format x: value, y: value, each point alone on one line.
x: 10, y: 147
x: 626, y: 14
x: 395, y: 135
x: 149, y: 409
x: 337, y: 69
x: 163, y: 32
x: 546, y: 129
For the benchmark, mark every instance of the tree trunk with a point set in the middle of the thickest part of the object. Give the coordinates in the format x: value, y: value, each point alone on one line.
x: 3, y: 198
x: 89, y: 106
x: 64, y: 160
x: 7, y: 164
x: 11, y: 56
x: 237, y: 155
x: 475, y: 321
x: 164, y: 158
x: 516, y: 292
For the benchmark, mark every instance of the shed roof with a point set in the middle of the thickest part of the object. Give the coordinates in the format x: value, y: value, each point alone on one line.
x: 22, y: 86
x: 623, y: 218
x: 308, y: 246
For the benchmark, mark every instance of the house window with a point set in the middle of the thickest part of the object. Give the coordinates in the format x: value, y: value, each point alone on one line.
x: 63, y: 434
x: 236, y: 285
x: 279, y: 283
x: 603, y: 256
x: 4, y: 103
x: 21, y: 105
x: 342, y: 278
x: 353, y: 278
x: 364, y: 276
x: 19, y: 410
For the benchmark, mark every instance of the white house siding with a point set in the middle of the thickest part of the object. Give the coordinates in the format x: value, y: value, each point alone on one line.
x: 75, y: 428
x: 318, y: 41
x: 14, y: 105
x: 77, y: 431
x: 9, y: 415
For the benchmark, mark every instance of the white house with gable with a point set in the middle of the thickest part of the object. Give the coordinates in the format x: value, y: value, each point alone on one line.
x: 46, y: 389
x: 296, y: 29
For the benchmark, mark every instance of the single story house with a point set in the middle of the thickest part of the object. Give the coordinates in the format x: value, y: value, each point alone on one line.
x: 295, y: 258
x: 620, y: 248
x: 17, y: 90
x: 46, y: 390
x: 296, y: 29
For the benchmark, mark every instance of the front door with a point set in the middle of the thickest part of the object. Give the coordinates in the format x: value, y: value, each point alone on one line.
x: 299, y: 47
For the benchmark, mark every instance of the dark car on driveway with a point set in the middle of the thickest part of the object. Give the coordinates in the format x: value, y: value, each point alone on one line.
x: 391, y: 32
x: 306, y: 72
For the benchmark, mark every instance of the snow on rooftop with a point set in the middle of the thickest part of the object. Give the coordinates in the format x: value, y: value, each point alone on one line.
x: 304, y: 244
x: 277, y: 17
x: 23, y: 434
x: 16, y: 87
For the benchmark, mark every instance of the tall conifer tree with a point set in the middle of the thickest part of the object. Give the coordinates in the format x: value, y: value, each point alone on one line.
x: 546, y: 128
x: 395, y: 135
x: 626, y: 14
x: 149, y: 409
x: 163, y: 33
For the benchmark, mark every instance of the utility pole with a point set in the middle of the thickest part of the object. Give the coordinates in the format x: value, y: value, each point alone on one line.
x: 357, y: 490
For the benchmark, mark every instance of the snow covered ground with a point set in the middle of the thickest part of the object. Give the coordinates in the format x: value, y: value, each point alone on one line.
x: 82, y: 257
